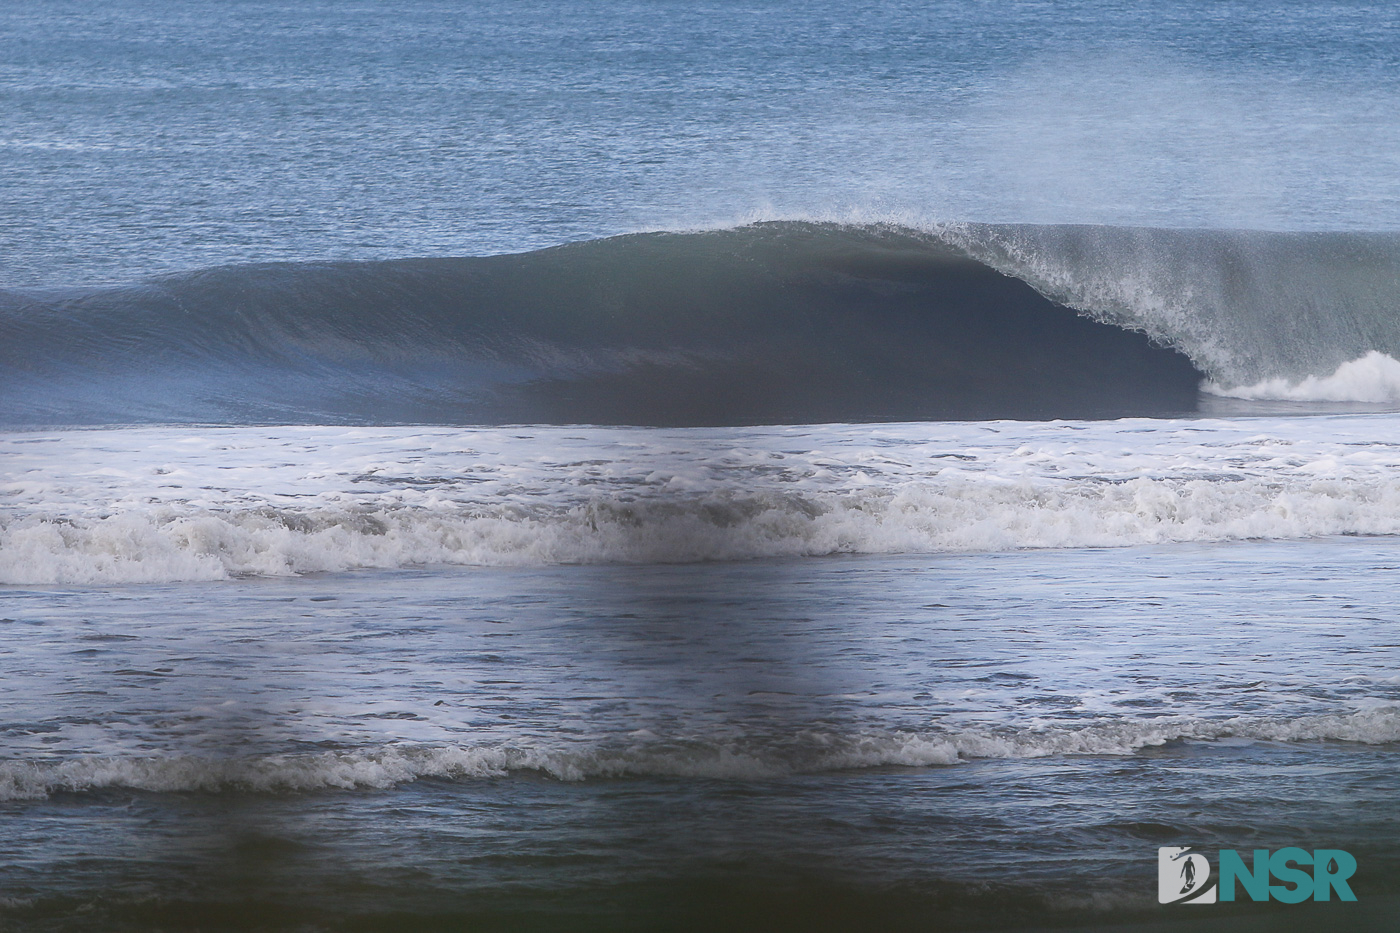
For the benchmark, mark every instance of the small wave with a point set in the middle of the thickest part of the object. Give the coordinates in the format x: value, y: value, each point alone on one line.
x: 648, y: 756
x: 1374, y: 378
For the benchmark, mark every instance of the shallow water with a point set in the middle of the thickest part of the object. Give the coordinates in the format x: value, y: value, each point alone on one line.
x: 1003, y: 739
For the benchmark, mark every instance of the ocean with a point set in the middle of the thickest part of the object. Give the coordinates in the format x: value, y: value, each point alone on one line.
x: 654, y: 466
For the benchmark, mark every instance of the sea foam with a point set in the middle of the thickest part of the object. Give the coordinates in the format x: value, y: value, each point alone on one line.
x: 1374, y: 378
x: 161, y: 504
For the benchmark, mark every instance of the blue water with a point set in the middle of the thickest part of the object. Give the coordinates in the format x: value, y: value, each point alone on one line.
x: 965, y: 676
x: 141, y: 137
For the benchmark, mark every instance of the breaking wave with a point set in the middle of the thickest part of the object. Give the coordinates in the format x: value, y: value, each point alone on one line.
x: 777, y: 322
x: 773, y: 323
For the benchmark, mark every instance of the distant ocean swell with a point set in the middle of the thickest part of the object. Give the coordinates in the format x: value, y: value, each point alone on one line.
x: 782, y: 322
x: 644, y: 755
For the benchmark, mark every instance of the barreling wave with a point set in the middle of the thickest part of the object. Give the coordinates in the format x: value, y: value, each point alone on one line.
x: 741, y: 757
x: 772, y: 323
x: 1247, y: 306
x: 777, y: 322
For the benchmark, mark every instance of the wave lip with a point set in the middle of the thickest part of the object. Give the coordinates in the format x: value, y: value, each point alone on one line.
x: 1247, y: 306
x: 648, y: 756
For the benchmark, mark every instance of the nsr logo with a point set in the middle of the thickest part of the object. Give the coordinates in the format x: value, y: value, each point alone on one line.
x: 1183, y: 875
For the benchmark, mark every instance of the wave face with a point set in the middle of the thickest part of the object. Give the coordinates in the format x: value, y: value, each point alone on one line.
x: 772, y: 323
x: 777, y: 322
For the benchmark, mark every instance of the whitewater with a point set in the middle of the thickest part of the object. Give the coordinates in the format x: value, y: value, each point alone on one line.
x: 166, y: 504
